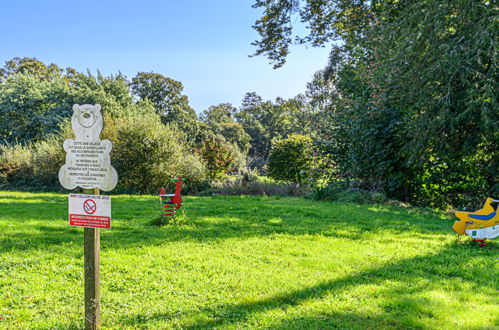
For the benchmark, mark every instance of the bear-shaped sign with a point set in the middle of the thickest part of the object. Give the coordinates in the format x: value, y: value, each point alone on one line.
x: 88, y: 164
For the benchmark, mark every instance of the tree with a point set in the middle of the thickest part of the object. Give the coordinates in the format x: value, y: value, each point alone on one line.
x: 291, y: 159
x: 220, y: 119
x: 267, y: 120
x: 219, y: 157
x: 328, y: 20
x: 31, y: 66
x: 32, y: 108
x: 223, y: 112
x: 432, y: 61
x: 300, y: 117
x: 166, y: 96
x: 321, y: 92
x: 260, y: 121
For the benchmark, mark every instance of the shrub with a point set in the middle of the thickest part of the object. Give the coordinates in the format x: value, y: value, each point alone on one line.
x: 248, y: 174
x: 243, y: 186
x: 34, y: 166
x: 220, y: 157
x: 291, y: 159
x: 48, y: 157
x: 146, y: 154
x: 348, y: 192
x: 365, y: 143
x: 13, y: 164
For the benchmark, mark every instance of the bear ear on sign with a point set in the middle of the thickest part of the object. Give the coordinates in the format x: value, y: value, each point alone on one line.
x: 76, y: 107
x: 98, y: 107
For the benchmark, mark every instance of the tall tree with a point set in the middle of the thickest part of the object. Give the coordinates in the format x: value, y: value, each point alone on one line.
x: 220, y: 119
x: 321, y: 92
x: 267, y: 120
x: 429, y: 65
x: 166, y: 96
x: 32, y: 107
x: 223, y: 112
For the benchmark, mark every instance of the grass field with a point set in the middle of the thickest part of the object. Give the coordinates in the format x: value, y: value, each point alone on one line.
x: 239, y: 262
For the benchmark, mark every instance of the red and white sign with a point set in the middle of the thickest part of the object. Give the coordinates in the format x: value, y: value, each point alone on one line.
x: 91, y: 211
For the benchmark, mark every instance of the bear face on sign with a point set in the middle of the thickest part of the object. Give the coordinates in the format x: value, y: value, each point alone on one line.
x: 87, y: 122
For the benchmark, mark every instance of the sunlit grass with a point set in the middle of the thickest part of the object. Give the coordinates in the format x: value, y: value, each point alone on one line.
x: 239, y: 262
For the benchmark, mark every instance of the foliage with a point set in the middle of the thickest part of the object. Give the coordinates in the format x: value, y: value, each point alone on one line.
x: 219, y: 157
x: 240, y: 261
x: 36, y: 98
x: 220, y: 121
x: 347, y: 192
x: 327, y: 21
x: 29, y: 66
x: 111, y: 92
x: 32, y: 167
x: 301, y: 117
x: 366, y: 145
x: 166, y: 96
x: 267, y: 120
x: 291, y: 159
x: 31, y: 109
x: 448, y: 183
x: 321, y: 92
x: 146, y: 154
x: 430, y: 66
x: 223, y: 112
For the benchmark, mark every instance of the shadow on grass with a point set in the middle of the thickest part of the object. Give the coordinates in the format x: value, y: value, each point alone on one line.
x: 223, y: 218
x: 401, y: 307
x: 212, y: 219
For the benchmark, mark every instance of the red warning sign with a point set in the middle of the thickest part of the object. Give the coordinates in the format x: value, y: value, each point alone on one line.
x: 91, y: 211
x: 89, y: 206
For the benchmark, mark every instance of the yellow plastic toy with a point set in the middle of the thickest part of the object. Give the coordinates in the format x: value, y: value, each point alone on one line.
x: 480, y: 225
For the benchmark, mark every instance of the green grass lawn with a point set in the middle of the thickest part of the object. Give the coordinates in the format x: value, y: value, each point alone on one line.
x: 240, y: 262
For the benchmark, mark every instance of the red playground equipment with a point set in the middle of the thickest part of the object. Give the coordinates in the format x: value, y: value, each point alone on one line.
x: 171, y: 202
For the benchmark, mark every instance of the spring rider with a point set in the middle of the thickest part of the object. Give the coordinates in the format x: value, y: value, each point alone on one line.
x: 171, y: 202
x: 481, y: 224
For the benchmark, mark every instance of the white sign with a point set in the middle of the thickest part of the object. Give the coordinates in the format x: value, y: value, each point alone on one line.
x: 88, y: 164
x: 91, y: 211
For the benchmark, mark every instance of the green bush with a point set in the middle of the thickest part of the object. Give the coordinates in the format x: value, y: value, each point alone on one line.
x: 32, y: 167
x: 291, y: 159
x: 459, y: 183
x: 365, y: 143
x: 146, y: 154
x: 219, y: 156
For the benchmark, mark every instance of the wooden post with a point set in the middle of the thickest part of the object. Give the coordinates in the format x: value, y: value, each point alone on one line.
x: 92, y: 272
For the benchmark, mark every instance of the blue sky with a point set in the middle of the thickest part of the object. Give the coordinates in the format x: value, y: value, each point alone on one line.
x: 203, y: 44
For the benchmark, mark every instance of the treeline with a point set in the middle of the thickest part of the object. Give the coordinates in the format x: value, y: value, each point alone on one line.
x: 156, y: 133
x: 356, y: 129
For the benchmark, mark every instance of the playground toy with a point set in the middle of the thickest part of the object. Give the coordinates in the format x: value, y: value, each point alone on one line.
x: 171, y: 202
x: 480, y: 225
